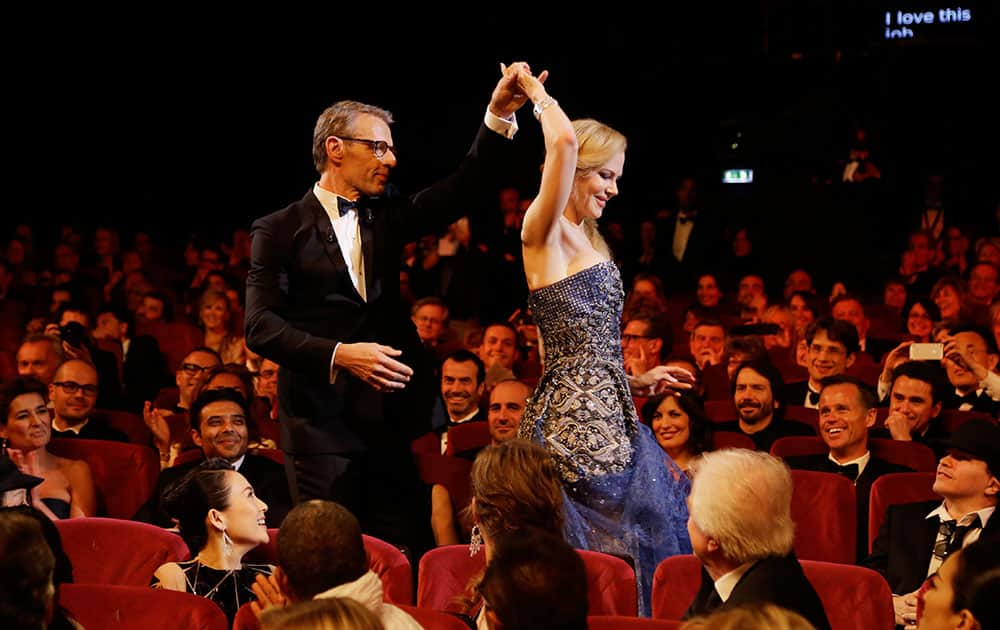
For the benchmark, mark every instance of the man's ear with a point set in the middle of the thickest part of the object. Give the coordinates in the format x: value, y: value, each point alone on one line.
x: 196, y: 438
x: 711, y: 544
x: 871, y: 417
x: 992, y: 487
x: 851, y: 358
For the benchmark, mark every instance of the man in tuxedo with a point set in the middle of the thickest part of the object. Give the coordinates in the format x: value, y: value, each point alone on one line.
x: 690, y: 237
x: 143, y: 366
x: 832, y: 347
x: 219, y: 428
x: 973, y: 347
x: 746, y: 554
x: 756, y: 391
x: 463, y: 380
x: 73, y: 393
x: 355, y: 385
x: 846, y: 412
x: 915, y: 538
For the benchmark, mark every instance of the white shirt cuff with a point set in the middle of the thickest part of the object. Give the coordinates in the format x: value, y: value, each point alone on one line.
x: 333, y: 368
x: 503, y: 126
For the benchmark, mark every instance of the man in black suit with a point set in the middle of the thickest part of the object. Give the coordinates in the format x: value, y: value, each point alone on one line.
x: 355, y: 385
x: 746, y: 554
x: 73, y: 393
x: 846, y: 412
x: 756, y: 393
x: 219, y: 428
x: 915, y: 538
x: 832, y: 347
x: 688, y: 238
x: 143, y: 365
x: 972, y: 355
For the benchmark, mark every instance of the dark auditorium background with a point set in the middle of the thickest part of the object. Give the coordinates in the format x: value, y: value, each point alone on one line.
x: 181, y: 121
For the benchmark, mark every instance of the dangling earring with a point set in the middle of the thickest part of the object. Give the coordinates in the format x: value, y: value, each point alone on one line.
x: 476, y: 542
x: 227, y: 544
x: 3, y: 446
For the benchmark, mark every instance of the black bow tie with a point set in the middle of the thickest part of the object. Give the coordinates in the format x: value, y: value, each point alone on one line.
x: 971, y: 398
x: 850, y: 470
x: 345, y: 205
x: 813, y: 397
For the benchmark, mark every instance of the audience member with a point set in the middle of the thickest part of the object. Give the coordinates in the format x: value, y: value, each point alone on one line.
x: 27, y: 593
x: 73, y: 393
x: 221, y: 520
x: 26, y: 428
x: 757, y: 394
x: 219, y: 428
x: 846, y: 412
x: 462, y: 386
x: 849, y: 308
x: 919, y: 316
x: 757, y: 616
x: 915, y: 538
x: 498, y: 351
x: 330, y: 613
x: 216, y: 321
x: 708, y: 342
x: 39, y: 356
x: 321, y: 555
x: 681, y: 428
x: 964, y: 591
x: 535, y: 581
x: 746, y: 554
x: 832, y: 347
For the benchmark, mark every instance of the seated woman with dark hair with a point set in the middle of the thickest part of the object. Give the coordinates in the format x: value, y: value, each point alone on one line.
x: 920, y: 315
x: 67, y: 489
x: 681, y: 427
x: 221, y: 520
x: 535, y: 581
x: 964, y: 591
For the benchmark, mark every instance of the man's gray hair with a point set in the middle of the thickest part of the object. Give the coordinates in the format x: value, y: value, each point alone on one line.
x: 743, y: 499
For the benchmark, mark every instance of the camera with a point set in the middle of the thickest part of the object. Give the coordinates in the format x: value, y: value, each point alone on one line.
x: 73, y: 333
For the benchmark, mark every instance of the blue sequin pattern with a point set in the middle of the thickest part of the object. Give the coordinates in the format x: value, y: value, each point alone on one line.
x: 622, y: 499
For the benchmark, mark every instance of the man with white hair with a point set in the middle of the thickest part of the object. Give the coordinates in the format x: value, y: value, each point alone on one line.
x: 746, y: 554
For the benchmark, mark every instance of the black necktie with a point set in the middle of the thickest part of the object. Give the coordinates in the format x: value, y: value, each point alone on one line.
x: 950, y: 536
x: 850, y: 470
x: 813, y: 397
x: 345, y: 205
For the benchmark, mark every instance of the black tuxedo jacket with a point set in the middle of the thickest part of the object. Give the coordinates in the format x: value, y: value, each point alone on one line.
x: 705, y: 244
x: 93, y: 430
x: 778, y: 581
x: 982, y: 402
x: 266, y: 476
x: 902, y: 550
x: 795, y: 393
x: 301, y: 302
x: 863, y: 487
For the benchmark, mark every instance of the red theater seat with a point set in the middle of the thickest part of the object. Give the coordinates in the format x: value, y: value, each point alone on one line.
x: 108, y: 607
x: 115, y: 551
x: 124, y: 474
x: 893, y: 489
x: 824, y: 509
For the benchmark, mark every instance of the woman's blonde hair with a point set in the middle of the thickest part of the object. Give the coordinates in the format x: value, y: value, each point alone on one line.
x: 598, y: 144
x: 328, y: 613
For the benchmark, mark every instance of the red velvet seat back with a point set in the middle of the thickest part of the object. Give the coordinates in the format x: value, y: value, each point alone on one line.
x: 127, y: 607
x: 731, y: 439
x: 444, y: 573
x: 468, y: 436
x: 893, y: 489
x: 805, y: 415
x: 128, y: 423
x: 115, y: 551
x: 824, y: 509
x: 124, y: 474
x: 619, y: 622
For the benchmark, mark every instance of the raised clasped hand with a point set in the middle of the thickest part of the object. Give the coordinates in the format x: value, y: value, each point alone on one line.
x: 508, y: 97
x: 663, y: 378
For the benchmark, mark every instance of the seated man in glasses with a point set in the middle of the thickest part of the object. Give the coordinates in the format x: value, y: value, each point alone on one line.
x: 168, y: 419
x: 73, y: 392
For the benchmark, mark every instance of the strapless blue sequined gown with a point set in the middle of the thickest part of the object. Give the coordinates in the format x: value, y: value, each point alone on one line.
x: 622, y: 498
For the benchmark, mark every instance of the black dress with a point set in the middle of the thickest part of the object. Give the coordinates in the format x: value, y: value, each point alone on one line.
x: 230, y: 589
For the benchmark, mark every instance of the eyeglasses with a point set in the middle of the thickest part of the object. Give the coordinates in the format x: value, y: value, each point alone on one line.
x: 627, y: 338
x: 194, y: 370
x: 379, y: 147
x: 72, y: 387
